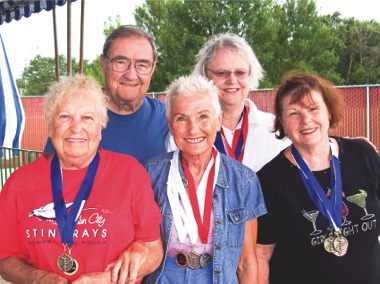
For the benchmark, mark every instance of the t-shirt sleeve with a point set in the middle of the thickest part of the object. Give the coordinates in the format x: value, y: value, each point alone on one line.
x: 147, y: 216
x: 267, y: 223
x: 256, y: 198
x: 9, y: 241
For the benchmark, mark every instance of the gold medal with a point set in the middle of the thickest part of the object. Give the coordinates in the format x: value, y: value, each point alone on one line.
x: 340, y: 245
x: 65, y: 262
x: 336, y: 244
x: 73, y: 269
x: 194, y: 260
x: 329, y: 243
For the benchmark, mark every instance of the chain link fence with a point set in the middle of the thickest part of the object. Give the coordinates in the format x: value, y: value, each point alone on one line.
x: 361, y: 115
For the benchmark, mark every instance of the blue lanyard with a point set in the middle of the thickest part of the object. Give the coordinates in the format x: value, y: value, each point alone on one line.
x: 67, y: 221
x: 331, y: 207
x: 219, y: 143
x: 221, y: 147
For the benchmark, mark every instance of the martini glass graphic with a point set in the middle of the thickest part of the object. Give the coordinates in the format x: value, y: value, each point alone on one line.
x: 312, y: 217
x: 344, y: 214
x: 359, y: 199
x: 344, y: 209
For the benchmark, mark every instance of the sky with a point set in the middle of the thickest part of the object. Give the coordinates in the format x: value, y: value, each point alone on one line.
x: 28, y: 37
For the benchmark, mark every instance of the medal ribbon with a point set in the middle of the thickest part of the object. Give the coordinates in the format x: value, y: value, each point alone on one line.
x: 182, y: 213
x: 67, y: 221
x: 331, y: 207
x: 238, y: 142
x: 203, y: 227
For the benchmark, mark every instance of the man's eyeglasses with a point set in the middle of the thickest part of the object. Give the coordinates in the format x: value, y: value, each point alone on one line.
x: 240, y: 74
x: 122, y: 64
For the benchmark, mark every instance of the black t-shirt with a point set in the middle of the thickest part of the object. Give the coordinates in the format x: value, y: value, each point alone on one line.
x: 299, y: 255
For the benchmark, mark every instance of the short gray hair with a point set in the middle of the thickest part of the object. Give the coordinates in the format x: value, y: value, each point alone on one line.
x: 215, y: 42
x: 188, y: 85
x: 69, y: 86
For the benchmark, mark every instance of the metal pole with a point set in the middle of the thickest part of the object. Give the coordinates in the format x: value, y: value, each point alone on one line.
x: 368, y: 118
x: 69, y: 67
x: 81, y: 38
x: 57, y: 75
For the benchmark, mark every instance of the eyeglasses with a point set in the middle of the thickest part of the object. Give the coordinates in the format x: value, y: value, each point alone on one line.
x: 240, y: 74
x: 122, y: 64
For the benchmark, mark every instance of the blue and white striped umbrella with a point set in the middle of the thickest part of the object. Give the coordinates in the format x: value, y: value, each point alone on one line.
x: 16, y: 9
x: 12, y: 117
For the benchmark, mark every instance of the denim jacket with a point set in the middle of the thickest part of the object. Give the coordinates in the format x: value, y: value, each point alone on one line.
x: 237, y: 199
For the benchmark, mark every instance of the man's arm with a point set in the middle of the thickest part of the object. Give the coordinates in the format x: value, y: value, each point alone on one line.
x: 15, y: 270
x: 365, y: 139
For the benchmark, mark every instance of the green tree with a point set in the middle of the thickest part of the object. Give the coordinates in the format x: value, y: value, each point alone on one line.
x: 93, y: 69
x: 303, y: 43
x: 40, y: 74
x: 181, y: 27
x: 265, y: 23
x: 360, y: 58
x: 285, y: 37
x: 21, y: 86
x: 172, y: 25
x: 110, y: 25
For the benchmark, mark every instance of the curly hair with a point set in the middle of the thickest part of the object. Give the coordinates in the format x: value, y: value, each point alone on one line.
x: 69, y: 86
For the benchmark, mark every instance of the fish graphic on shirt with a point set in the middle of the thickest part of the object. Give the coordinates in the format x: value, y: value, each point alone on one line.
x: 47, y: 211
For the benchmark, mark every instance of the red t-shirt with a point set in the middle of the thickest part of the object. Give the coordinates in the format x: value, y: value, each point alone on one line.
x: 120, y: 209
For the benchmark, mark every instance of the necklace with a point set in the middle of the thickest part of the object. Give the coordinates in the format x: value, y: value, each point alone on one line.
x: 331, y: 208
x: 66, y: 221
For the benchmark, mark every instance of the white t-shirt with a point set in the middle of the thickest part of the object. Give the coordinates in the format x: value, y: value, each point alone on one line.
x: 261, y: 144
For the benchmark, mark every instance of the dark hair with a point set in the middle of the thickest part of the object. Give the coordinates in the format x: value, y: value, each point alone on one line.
x: 299, y: 85
x: 127, y: 31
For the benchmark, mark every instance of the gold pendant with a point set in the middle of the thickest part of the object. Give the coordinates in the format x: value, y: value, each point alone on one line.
x: 66, y: 263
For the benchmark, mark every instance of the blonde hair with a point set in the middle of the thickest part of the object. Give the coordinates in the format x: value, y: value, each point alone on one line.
x: 68, y: 86
x: 229, y: 40
x: 188, y: 85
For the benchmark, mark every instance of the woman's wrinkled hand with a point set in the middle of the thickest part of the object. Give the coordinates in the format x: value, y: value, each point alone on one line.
x: 126, y: 268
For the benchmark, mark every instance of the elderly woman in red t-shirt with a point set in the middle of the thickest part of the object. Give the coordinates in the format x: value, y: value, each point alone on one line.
x: 75, y: 214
